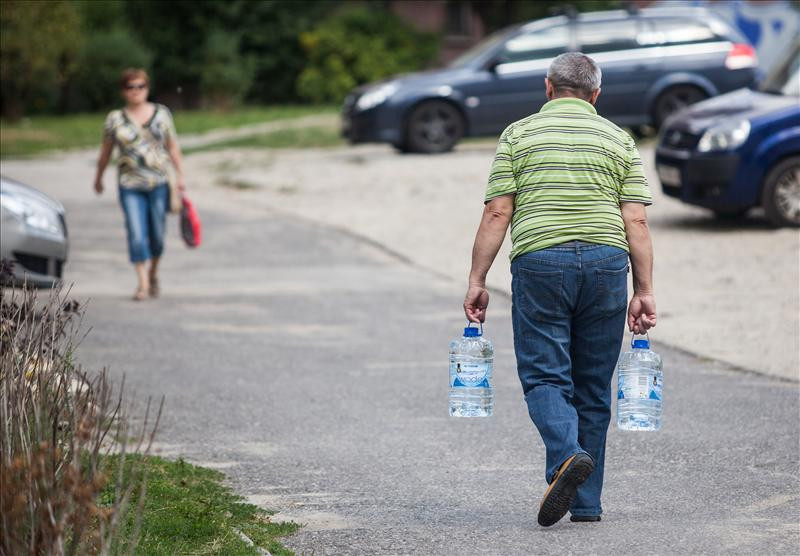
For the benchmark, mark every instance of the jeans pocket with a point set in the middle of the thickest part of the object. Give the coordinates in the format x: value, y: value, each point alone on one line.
x: 540, y: 293
x: 612, y: 290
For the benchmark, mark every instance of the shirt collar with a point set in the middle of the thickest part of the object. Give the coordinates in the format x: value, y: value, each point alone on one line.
x: 568, y: 104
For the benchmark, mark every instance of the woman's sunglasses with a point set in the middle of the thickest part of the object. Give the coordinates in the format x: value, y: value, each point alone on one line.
x: 137, y: 87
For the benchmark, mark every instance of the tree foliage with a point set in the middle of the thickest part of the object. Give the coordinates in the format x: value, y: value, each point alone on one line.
x: 66, y: 55
x: 103, y: 57
x: 226, y: 74
x: 39, y: 44
x: 356, y: 46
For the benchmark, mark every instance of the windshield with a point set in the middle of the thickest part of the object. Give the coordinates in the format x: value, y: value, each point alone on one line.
x: 784, y: 79
x: 479, y: 49
x: 792, y: 86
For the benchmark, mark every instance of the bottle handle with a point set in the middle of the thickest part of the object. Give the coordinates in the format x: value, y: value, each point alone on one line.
x: 633, y: 337
x: 470, y: 323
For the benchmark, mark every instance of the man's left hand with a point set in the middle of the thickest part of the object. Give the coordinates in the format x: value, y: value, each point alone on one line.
x: 475, y: 303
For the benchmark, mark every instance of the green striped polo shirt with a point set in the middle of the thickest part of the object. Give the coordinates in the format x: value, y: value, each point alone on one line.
x: 569, y: 170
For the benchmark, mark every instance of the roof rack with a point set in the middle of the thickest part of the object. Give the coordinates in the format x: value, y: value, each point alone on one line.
x: 571, y: 11
x: 564, y: 9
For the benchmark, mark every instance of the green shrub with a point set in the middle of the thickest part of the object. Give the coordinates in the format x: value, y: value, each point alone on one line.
x: 226, y: 75
x: 356, y: 46
x: 38, y: 46
x: 105, y: 54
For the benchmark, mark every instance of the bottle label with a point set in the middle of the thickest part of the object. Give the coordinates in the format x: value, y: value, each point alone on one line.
x: 639, y: 387
x: 470, y: 375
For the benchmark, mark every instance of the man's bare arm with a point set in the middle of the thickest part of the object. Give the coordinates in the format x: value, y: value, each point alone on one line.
x: 497, y: 215
x: 642, y: 308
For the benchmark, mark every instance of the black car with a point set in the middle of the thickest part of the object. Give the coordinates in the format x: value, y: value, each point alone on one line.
x: 654, y: 62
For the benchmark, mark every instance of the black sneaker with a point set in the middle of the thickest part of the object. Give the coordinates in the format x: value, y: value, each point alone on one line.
x: 584, y: 518
x: 562, y: 490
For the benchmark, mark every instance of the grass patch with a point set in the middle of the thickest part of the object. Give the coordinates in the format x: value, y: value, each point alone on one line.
x: 241, y: 185
x: 187, y: 510
x: 306, y: 137
x: 38, y: 134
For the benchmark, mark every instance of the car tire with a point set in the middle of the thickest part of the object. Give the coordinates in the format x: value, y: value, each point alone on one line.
x: 781, y: 194
x: 673, y: 99
x: 435, y: 126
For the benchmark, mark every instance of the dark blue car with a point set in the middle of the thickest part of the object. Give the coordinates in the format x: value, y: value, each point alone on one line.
x: 654, y: 62
x: 738, y: 150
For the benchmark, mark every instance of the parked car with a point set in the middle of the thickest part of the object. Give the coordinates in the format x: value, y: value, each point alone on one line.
x: 654, y: 62
x: 738, y: 150
x: 33, y: 234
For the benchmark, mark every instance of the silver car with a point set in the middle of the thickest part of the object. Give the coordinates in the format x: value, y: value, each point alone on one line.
x: 33, y: 234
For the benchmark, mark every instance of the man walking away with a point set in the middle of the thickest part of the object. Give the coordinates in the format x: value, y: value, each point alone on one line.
x: 572, y: 187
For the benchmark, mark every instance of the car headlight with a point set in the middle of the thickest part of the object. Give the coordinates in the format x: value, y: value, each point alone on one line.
x: 724, y: 137
x: 376, y: 96
x: 33, y: 213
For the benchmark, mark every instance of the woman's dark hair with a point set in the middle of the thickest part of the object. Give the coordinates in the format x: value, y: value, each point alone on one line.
x: 131, y: 74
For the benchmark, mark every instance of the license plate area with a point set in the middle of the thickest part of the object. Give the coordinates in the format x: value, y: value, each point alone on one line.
x: 669, y: 175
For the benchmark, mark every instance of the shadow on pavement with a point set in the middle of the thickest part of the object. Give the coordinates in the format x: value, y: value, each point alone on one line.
x: 709, y: 223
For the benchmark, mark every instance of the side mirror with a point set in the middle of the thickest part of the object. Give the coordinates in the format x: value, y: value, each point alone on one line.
x: 491, y: 65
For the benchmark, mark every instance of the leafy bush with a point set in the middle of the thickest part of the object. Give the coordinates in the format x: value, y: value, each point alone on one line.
x: 56, y: 424
x: 270, y: 32
x: 38, y: 46
x: 356, y: 46
x: 104, y: 55
x: 226, y: 75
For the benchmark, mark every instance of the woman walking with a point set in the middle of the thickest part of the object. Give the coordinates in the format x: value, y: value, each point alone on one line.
x: 145, y: 135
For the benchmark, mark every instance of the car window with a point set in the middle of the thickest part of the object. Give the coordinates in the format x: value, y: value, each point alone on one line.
x: 537, y: 45
x: 608, y: 36
x: 482, y: 47
x: 668, y: 31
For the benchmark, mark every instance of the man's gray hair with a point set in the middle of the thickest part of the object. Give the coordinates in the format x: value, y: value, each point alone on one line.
x: 576, y: 72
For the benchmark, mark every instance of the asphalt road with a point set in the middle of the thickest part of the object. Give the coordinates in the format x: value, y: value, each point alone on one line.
x: 311, y: 367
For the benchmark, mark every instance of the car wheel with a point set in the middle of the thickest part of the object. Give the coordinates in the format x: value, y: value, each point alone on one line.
x: 674, y: 99
x: 434, y: 127
x: 781, y: 195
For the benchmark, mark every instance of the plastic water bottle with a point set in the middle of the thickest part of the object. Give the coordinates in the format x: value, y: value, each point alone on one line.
x: 639, y: 379
x: 471, y: 359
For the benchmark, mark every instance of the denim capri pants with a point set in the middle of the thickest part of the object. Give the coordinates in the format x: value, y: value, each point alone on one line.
x: 145, y: 220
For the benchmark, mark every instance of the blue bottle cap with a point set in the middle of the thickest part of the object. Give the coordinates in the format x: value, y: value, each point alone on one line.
x: 641, y: 344
x: 470, y: 332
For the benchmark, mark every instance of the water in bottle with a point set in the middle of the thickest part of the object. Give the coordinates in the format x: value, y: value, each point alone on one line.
x: 471, y: 359
x: 639, y: 379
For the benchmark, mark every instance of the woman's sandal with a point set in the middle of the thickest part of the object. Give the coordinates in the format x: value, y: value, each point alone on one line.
x: 139, y: 295
x: 154, y: 289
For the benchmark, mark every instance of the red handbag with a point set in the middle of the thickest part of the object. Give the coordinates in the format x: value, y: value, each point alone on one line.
x: 191, y: 229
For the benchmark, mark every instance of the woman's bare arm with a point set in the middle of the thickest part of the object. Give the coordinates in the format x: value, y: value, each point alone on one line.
x: 174, y: 150
x: 106, y: 148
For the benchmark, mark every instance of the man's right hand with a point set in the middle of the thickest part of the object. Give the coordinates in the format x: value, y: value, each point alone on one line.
x: 641, y: 313
x: 475, y: 303
x: 98, y: 186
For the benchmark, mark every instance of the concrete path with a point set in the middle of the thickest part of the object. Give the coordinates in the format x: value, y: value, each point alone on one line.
x: 728, y: 291
x: 310, y: 366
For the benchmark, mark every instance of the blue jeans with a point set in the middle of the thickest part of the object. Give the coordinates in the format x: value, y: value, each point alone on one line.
x: 568, y: 313
x: 145, y: 220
